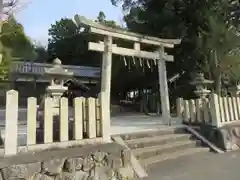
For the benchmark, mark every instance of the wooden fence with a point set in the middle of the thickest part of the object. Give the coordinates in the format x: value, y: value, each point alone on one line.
x: 215, y: 110
x: 86, y: 126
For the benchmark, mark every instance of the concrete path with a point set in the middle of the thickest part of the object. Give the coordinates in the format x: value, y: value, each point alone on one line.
x: 205, y: 166
x: 127, y: 123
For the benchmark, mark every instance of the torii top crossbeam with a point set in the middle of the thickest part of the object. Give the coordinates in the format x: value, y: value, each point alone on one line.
x: 122, y: 34
x: 97, y: 28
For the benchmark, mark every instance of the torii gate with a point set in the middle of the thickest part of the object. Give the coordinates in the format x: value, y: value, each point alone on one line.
x: 108, y: 48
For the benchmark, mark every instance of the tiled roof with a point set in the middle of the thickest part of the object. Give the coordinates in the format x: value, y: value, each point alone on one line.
x: 39, y: 68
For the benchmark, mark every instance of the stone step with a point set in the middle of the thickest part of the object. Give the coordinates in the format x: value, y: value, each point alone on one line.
x: 152, y: 133
x: 156, y: 140
x: 147, y: 152
x: 174, y: 155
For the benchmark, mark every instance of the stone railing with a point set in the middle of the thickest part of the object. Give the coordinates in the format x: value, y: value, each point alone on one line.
x: 105, y: 161
x: 38, y: 69
x: 194, y: 111
x: 215, y: 111
x: 82, y: 125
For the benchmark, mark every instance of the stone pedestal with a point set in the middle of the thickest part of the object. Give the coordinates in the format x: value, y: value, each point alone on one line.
x: 56, y: 92
x: 202, y: 93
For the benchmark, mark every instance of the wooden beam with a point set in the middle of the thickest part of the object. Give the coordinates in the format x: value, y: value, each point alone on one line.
x: 123, y: 34
x: 129, y: 52
x: 141, y: 39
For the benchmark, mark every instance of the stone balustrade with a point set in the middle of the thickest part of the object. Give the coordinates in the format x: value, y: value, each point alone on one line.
x: 217, y: 117
x: 87, y: 125
x: 215, y: 111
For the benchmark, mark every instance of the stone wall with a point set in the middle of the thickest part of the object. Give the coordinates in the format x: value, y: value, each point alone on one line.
x: 91, y: 162
x: 227, y: 137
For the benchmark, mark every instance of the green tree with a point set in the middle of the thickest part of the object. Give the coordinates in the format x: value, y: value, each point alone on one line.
x: 14, y: 45
x: 220, y: 46
x: 70, y: 44
x: 186, y: 20
x: 14, y: 38
x: 102, y: 19
x: 41, y: 54
x: 5, y: 63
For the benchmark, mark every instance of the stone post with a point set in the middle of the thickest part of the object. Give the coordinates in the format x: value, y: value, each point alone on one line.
x: 180, y: 107
x: 215, y: 110
x: 31, y: 120
x: 11, y: 125
x: 48, y: 120
x: 91, y: 114
x: 64, y: 119
x: 78, y: 118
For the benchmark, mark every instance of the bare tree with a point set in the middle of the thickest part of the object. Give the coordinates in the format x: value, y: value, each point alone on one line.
x: 9, y: 7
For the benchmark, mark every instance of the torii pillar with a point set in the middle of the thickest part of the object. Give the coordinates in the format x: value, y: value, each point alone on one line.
x: 106, y: 73
x: 163, y: 86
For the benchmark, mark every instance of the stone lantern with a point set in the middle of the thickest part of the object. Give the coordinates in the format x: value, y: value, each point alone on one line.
x: 56, y: 75
x: 201, y: 85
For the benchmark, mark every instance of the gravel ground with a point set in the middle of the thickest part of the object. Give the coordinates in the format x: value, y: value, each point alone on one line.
x: 203, y: 166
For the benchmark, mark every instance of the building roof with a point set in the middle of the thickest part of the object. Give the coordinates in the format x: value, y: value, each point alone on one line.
x: 39, y: 69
